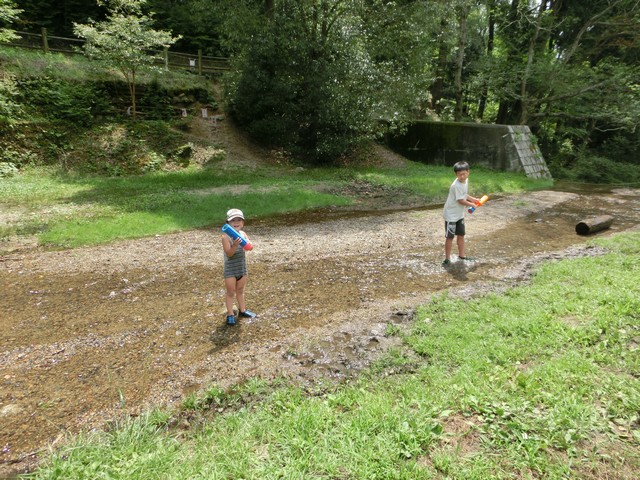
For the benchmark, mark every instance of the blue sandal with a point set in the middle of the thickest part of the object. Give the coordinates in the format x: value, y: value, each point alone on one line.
x: 247, y: 314
x: 231, y: 320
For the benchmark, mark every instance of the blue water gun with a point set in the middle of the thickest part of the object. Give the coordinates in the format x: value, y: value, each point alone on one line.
x: 233, y: 233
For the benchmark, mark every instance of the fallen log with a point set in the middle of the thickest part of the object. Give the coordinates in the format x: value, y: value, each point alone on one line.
x: 595, y: 224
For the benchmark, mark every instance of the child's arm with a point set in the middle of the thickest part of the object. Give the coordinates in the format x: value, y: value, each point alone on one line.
x: 473, y: 200
x: 469, y: 201
x: 229, y: 246
x: 234, y: 235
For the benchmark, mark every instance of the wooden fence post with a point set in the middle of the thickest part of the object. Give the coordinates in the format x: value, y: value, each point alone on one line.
x: 45, y: 40
x: 199, y: 61
x: 166, y: 57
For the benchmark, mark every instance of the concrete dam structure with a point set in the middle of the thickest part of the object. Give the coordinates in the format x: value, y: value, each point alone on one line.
x: 500, y: 147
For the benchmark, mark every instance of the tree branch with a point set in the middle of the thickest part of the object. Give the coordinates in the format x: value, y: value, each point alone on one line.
x: 589, y: 23
x: 575, y: 93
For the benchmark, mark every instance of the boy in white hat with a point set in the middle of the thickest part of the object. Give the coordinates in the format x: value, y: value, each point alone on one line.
x: 235, y: 268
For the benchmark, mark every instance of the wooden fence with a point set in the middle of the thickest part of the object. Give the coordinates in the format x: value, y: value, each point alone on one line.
x: 197, y: 63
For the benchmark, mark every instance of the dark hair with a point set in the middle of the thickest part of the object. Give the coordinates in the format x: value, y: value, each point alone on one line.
x: 459, y: 166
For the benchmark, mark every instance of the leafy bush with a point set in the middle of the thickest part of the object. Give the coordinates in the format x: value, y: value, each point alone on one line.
x: 202, y: 95
x: 17, y: 158
x: 78, y: 103
x: 155, y: 102
x: 622, y: 147
x: 615, y: 161
x: 7, y: 169
x: 310, y: 93
x: 594, y: 169
x: 154, y: 162
x: 9, y: 108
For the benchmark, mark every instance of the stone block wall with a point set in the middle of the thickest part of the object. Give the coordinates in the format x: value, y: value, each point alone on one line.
x: 500, y: 147
x: 524, y: 154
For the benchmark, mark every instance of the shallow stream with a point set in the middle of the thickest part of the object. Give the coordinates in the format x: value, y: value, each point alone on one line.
x: 87, y: 335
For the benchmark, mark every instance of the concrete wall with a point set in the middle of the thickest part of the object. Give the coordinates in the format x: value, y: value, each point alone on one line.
x: 500, y: 147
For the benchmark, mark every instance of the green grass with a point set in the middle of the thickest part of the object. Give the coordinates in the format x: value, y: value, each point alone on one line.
x: 78, y: 68
x: 540, y: 382
x: 33, y: 63
x: 433, y: 182
x: 71, y: 210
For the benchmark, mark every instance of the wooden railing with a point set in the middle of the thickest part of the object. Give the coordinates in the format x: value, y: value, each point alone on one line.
x: 197, y: 63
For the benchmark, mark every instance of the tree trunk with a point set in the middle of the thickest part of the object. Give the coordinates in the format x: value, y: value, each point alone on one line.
x: 524, y: 94
x: 463, y: 15
x: 485, y: 88
x: 268, y: 7
x: 509, y: 108
x: 132, y: 90
x: 438, y: 85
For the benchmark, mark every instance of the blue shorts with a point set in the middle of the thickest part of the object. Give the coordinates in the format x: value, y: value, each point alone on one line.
x: 451, y: 229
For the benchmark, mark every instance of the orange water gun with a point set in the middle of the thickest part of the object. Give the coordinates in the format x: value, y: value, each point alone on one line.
x: 481, y: 202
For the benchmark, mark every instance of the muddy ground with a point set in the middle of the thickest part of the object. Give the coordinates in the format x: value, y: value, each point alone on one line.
x: 90, y: 334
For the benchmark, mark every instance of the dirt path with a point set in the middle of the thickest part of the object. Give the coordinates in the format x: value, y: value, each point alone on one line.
x: 89, y: 334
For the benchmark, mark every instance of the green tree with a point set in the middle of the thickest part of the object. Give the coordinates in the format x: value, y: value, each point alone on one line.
x: 57, y: 16
x: 8, y: 14
x: 451, y: 32
x: 198, y: 22
x: 318, y: 77
x: 124, y: 40
x: 9, y: 107
x: 549, y: 56
x: 398, y: 37
x: 566, y: 68
x: 209, y: 25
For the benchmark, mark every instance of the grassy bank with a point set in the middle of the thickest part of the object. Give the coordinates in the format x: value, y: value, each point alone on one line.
x: 70, y: 210
x: 78, y: 68
x: 540, y: 382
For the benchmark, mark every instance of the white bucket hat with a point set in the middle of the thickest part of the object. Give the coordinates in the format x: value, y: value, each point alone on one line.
x: 234, y: 213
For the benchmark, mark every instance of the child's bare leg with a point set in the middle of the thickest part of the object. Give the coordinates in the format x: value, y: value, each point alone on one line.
x: 240, y: 284
x: 230, y: 284
x: 448, y: 244
x: 460, y: 241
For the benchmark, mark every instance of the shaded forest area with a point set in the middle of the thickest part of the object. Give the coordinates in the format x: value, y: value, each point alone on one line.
x: 316, y: 78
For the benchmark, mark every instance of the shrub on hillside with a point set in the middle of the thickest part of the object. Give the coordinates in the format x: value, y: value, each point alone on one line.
x: 622, y: 147
x: 124, y: 148
x: 51, y: 97
x: 155, y: 102
x: 9, y: 107
x: 7, y: 169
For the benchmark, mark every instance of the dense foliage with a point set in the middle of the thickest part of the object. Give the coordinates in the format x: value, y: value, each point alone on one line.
x: 569, y: 70
x: 310, y: 81
x: 318, y: 76
x: 8, y: 14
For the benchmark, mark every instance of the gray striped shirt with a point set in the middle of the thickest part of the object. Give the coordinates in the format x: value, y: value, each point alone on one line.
x: 235, y: 265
